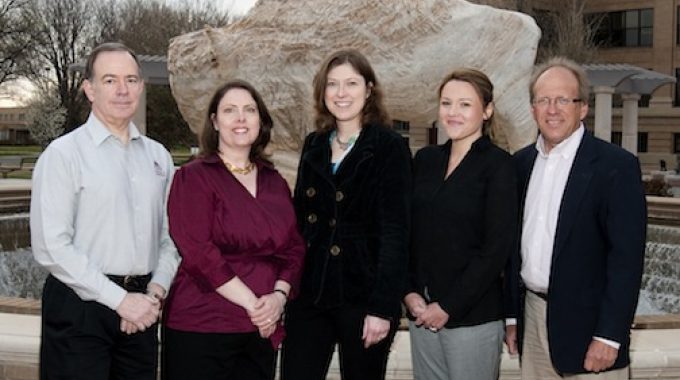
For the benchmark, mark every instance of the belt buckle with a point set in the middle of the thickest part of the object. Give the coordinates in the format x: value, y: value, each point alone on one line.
x: 127, y: 280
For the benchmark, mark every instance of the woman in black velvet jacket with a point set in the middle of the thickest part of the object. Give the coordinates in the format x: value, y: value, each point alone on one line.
x: 352, y: 201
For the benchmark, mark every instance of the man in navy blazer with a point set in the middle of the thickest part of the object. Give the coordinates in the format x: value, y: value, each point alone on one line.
x: 573, y: 284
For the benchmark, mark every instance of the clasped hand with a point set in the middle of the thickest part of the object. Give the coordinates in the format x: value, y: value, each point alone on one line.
x: 138, y: 312
x: 431, y: 316
x: 266, y: 312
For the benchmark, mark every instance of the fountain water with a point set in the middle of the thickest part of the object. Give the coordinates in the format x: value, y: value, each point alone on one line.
x: 21, y: 276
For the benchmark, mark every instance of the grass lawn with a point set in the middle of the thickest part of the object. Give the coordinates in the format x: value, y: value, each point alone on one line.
x: 31, y: 153
x: 20, y: 150
x: 20, y: 174
x: 180, y: 155
x: 28, y: 152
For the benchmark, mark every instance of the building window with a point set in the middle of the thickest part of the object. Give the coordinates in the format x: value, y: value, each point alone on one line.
x: 676, y: 142
x: 676, y: 101
x: 642, y: 142
x: 432, y: 134
x: 629, y: 28
x: 644, y: 100
x: 402, y: 127
x: 617, y: 139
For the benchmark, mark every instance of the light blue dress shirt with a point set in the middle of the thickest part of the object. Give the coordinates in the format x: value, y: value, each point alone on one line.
x: 98, y: 207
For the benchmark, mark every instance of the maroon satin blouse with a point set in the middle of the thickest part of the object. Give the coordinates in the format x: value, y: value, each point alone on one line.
x: 222, y: 231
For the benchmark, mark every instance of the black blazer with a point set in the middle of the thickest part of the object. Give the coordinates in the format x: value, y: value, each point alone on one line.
x: 598, y: 253
x: 463, y: 230
x: 356, y: 222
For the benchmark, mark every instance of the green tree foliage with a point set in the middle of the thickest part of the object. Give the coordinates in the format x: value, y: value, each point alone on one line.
x: 164, y: 122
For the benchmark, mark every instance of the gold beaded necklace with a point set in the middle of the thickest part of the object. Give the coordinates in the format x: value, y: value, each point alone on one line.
x: 235, y: 169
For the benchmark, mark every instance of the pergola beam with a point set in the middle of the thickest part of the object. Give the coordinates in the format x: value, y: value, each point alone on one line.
x: 629, y: 81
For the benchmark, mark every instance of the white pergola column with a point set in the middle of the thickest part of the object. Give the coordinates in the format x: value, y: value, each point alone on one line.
x: 630, y: 122
x: 140, y: 116
x: 603, y: 112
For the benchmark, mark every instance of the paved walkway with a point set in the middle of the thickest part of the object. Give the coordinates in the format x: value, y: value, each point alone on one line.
x: 655, y: 353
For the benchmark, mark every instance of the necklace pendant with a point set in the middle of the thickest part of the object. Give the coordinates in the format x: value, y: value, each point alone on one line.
x: 342, y: 145
x: 345, y: 145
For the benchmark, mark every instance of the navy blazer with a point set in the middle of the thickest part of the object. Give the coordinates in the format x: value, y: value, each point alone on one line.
x: 598, y: 253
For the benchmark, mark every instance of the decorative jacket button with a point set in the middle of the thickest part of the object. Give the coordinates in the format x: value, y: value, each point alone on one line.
x: 331, y: 222
x: 339, y: 196
x: 311, y: 218
x: 335, y: 250
x: 310, y: 192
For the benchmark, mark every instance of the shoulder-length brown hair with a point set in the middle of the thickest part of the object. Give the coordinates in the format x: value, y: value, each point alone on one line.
x: 374, y: 111
x: 210, y: 138
x: 483, y: 87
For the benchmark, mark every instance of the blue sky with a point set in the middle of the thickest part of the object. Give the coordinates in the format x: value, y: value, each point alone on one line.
x: 239, y: 7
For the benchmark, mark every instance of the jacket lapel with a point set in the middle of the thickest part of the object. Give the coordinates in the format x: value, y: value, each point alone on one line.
x: 526, y: 166
x: 579, y: 178
x: 318, y: 156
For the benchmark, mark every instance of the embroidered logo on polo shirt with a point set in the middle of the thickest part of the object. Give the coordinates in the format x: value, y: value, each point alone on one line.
x: 158, y: 169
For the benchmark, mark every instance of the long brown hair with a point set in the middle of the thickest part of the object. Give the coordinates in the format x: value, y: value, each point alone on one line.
x: 210, y: 138
x: 374, y: 111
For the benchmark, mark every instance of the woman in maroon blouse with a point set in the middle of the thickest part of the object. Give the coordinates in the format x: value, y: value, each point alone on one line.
x: 232, y: 219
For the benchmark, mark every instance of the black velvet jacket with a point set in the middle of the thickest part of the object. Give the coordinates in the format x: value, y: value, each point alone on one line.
x: 464, y: 229
x: 356, y: 222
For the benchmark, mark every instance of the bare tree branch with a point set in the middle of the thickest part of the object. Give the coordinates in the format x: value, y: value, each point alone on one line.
x: 63, y: 32
x: 567, y: 30
x: 15, y: 39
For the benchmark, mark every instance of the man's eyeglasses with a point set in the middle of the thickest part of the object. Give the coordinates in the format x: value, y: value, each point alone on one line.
x: 558, y: 102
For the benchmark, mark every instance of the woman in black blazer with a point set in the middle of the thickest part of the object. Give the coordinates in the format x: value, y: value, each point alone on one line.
x: 352, y: 202
x: 464, y: 227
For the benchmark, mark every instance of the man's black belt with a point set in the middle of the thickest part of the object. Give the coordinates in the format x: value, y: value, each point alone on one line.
x: 131, y: 283
x: 543, y: 296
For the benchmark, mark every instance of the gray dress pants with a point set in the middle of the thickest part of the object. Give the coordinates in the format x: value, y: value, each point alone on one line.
x: 463, y: 353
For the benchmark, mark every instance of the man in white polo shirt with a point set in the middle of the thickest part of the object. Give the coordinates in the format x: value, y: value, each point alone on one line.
x: 99, y: 226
